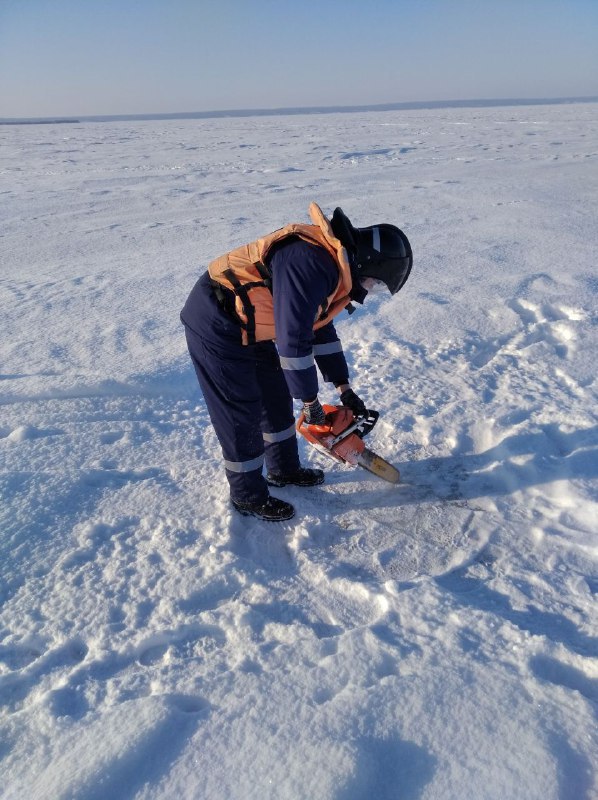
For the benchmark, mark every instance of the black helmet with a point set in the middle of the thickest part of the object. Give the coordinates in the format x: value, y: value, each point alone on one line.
x: 380, y: 251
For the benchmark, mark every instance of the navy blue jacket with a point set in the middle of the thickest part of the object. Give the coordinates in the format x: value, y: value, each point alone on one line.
x: 303, y: 276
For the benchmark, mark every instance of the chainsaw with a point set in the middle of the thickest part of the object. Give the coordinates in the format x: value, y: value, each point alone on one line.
x: 341, y: 438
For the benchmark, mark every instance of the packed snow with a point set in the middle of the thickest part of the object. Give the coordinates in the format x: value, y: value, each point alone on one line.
x: 436, y: 639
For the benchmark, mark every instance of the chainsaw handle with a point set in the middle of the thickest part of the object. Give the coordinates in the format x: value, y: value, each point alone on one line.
x: 320, y: 428
x: 367, y: 420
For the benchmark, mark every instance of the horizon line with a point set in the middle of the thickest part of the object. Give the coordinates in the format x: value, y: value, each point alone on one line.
x: 412, y: 105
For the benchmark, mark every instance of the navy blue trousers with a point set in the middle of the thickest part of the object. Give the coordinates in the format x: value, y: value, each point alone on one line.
x: 246, y: 395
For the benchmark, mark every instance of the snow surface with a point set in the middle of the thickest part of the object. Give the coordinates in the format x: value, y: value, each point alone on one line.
x: 433, y: 640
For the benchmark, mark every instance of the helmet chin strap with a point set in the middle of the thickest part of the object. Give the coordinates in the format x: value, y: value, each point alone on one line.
x: 358, y: 293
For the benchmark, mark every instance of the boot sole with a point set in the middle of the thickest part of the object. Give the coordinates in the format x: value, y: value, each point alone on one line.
x: 280, y: 484
x: 246, y: 513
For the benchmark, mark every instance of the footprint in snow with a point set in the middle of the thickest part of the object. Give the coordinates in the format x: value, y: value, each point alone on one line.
x: 554, y: 671
x: 16, y: 686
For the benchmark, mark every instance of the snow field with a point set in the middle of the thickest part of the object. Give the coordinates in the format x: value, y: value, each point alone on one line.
x: 432, y: 640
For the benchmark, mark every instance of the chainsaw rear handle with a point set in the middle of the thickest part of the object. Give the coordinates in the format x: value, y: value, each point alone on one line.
x: 319, y: 428
x: 328, y: 409
x: 366, y: 422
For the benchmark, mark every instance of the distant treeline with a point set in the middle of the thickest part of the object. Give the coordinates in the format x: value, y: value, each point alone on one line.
x: 268, y: 112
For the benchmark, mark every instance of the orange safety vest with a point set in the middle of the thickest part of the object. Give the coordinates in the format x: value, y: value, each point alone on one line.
x: 245, y: 273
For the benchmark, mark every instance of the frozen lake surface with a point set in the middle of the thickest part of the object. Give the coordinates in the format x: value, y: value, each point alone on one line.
x: 434, y: 640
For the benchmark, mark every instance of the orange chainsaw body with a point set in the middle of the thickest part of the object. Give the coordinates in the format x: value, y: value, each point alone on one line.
x: 338, y: 419
x: 348, y: 448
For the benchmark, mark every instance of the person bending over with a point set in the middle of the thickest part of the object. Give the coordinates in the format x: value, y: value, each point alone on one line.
x: 286, y: 287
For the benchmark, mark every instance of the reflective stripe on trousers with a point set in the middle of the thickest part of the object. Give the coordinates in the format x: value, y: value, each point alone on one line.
x: 280, y: 436
x: 244, y: 466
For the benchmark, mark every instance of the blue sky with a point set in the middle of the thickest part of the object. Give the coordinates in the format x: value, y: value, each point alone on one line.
x: 87, y: 57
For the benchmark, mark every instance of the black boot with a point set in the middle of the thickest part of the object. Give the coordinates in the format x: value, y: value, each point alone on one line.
x: 301, y: 477
x: 273, y: 510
